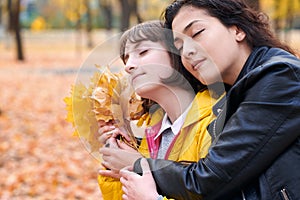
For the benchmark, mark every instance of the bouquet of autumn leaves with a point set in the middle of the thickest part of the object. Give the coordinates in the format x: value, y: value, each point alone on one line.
x: 108, y: 98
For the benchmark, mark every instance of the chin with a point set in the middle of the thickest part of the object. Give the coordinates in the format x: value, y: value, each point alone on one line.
x: 141, y: 91
x: 202, y: 79
x: 208, y: 78
x: 146, y: 91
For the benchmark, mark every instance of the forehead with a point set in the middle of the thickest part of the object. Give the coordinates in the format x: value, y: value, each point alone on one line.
x: 131, y: 46
x: 187, y: 16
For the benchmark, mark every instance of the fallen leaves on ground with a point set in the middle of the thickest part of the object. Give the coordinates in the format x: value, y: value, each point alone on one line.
x: 39, y: 157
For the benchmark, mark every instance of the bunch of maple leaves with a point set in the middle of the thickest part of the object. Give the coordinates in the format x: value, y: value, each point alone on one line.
x: 107, y: 98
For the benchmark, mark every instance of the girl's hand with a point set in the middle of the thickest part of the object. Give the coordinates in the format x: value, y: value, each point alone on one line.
x: 109, y: 173
x: 136, y: 187
x: 115, y: 158
x: 105, y: 131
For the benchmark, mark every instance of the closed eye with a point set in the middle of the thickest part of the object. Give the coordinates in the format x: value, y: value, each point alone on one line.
x: 143, y: 52
x: 197, y: 33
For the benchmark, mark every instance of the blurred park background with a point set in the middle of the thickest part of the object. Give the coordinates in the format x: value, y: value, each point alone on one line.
x: 43, y: 43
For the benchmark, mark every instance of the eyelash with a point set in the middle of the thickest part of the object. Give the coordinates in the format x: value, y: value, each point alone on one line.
x: 197, y: 33
x: 126, y: 57
x: 193, y: 36
x: 143, y: 51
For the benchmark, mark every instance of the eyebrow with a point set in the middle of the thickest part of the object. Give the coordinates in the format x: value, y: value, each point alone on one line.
x: 187, y: 28
x: 134, y: 46
x: 189, y: 25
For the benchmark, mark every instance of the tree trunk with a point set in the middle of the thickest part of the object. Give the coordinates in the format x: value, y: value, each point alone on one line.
x: 14, y: 9
x: 125, y: 15
x: 289, y: 21
x: 135, y: 10
x: 1, y: 12
x: 78, y: 25
x: 128, y: 7
x: 106, y: 7
x: 89, y: 24
x: 276, y: 20
x: 10, y: 15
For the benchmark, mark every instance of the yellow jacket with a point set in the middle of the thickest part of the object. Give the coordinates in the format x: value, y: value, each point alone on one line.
x: 111, y: 188
x: 189, y: 145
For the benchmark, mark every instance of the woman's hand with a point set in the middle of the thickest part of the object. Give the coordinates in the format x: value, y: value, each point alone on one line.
x: 136, y: 187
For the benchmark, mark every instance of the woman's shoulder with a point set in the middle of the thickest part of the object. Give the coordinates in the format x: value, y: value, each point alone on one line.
x: 267, y: 63
x: 205, y: 98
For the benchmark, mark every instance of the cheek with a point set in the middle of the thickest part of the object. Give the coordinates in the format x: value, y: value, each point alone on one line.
x: 165, y: 73
x: 221, y: 62
x: 226, y: 51
x: 186, y: 64
x: 190, y: 69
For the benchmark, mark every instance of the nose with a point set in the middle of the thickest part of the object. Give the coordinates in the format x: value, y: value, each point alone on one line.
x: 131, y: 65
x: 188, y: 49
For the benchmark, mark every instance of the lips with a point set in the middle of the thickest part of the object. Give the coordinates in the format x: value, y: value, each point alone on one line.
x: 197, y: 64
x: 135, y: 76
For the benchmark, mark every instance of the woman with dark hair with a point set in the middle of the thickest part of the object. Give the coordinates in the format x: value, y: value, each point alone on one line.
x: 255, y: 149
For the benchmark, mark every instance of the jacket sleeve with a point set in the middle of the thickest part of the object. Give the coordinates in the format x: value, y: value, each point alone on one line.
x: 111, y: 188
x: 265, y: 124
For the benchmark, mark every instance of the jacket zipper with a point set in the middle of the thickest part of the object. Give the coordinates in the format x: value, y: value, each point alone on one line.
x: 243, y: 195
x: 284, y: 194
x: 215, y: 122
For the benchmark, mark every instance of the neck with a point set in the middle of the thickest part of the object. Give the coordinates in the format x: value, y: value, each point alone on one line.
x: 238, y: 65
x: 174, y: 101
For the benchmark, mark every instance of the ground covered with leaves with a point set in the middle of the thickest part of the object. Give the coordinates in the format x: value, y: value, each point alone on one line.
x: 39, y: 157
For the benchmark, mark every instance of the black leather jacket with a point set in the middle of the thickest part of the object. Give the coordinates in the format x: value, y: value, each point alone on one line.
x: 256, y: 154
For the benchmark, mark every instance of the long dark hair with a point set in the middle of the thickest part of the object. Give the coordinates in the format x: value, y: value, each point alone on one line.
x: 233, y: 12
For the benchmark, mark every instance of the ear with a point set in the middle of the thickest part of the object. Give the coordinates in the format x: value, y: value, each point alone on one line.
x: 240, y: 35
